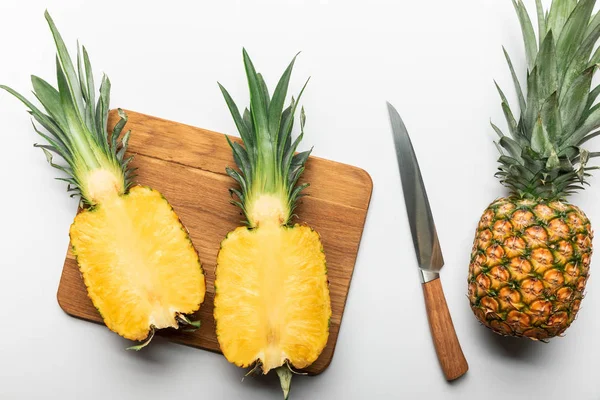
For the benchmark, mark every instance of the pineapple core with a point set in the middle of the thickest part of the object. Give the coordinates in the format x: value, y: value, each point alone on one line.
x: 102, y: 184
x: 268, y: 208
x: 272, y: 296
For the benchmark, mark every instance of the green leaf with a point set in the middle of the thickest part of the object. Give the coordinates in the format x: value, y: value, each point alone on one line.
x: 44, y: 120
x: 541, y: 21
x: 595, y: 60
x: 594, y: 23
x: 237, y: 193
x: 497, y: 130
x: 546, y: 68
x: 553, y: 162
x: 264, y: 90
x: 572, y: 106
x: 64, y: 152
x: 90, y: 89
x: 259, y: 108
x: 522, y: 104
x: 295, y: 193
x: 287, y: 126
x: 589, y: 137
x: 189, y: 325
x: 241, y: 159
x: 573, y: 33
x: 66, y: 64
x: 560, y: 10
x: 237, y: 119
x: 511, y: 146
x: 580, y: 60
x: 102, y: 109
x: 279, y: 96
x: 282, y: 140
x: 247, y: 118
x: 77, y: 132
x: 285, y: 379
x: 49, y: 158
x: 510, y: 119
x: 145, y: 343
x: 528, y: 33
x: 551, y: 118
x: 588, y: 112
x: 533, y: 103
x: 297, y: 166
x: 238, y: 178
x: 540, y: 142
x: 118, y: 128
x: 124, y: 145
x: 50, y: 99
x: 81, y: 75
x: 592, y: 97
x: 591, y: 123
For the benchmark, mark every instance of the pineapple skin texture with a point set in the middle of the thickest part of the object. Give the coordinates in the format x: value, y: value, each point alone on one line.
x: 529, y: 267
x: 137, y: 262
x: 272, y: 302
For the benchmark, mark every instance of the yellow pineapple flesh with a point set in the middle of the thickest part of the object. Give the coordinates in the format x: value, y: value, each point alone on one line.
x: 272, y: 297
x: 138, y: 263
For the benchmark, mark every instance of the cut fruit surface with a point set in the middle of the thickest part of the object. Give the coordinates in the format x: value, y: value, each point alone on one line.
x: 272, y: 296
x: 138, y: 263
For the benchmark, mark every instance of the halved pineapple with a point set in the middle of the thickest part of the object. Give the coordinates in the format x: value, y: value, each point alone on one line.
x: 139, y: 266
x: 272, y: 305
x: 272, y: 301
x: 141, y: 270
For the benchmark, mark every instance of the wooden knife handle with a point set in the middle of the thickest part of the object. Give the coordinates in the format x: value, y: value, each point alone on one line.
x: 447, y: 347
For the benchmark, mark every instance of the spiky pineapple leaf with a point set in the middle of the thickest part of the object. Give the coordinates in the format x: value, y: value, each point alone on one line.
x: 574, y: 101
x: 573, y: 32
x: 541, y: 19
x: 581, y: 60
x: 279, y: 96
x: 546, y: 68
x: 75, y: 125
x: 551, y: 117
x: 267, y: 161
x: 518, y: 88
x: 257, y: 102
x: 528, y: 33
x: 559, y: 12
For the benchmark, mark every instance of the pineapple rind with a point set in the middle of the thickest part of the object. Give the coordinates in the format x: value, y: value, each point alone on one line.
x: 529, y: 267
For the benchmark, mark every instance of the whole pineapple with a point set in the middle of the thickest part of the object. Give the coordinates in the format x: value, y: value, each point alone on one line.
x: 532, y: 251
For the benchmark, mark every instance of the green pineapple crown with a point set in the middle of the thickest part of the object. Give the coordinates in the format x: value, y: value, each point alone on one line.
x: 269, y: 169
x: 543, y: 157
x: 76, y: 127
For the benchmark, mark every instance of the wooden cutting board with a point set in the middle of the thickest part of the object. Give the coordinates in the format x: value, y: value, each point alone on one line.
x: 187, y: 165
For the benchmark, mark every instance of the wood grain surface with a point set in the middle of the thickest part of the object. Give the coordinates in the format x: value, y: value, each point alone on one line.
x: 187, y: 165
x: 450, y: 354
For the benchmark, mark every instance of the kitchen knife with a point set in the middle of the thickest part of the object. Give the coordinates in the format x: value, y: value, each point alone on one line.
x: 429, y: 253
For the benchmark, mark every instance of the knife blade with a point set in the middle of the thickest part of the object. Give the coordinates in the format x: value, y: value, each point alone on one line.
x: 428, y: 251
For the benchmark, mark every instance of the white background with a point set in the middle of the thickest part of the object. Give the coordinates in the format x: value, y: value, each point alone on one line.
x: 434, y: 60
